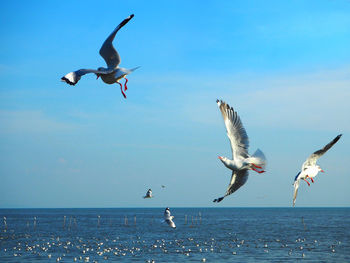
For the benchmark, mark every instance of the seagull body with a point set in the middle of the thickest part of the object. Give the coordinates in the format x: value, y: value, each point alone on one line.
x: 113, y: 73
x: 241, y: 161
x: 148, y: 194
x: 310, y: 169
x: 168, y: 218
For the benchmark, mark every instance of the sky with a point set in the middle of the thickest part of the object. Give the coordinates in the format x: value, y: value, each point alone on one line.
x: 284, y: 66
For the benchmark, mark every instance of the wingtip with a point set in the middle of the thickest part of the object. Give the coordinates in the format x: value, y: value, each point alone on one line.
x: 64, y: 79
x: 131, y: 16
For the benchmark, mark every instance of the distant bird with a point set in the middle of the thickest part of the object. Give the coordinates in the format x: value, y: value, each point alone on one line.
x: 168, y: 218
x: 241, y: 161
x: 110, y: 75
x: 310, y: 169
x: 148, y: 194
x: 163, y: 186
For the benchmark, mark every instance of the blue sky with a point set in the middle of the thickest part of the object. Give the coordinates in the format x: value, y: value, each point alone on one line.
x: 283, y: 65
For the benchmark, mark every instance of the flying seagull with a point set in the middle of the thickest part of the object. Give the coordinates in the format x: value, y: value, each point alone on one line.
x: 113, y: 73
x: 241, y: 161
x: 310, y: 169
x: 148, y: 194
x: 168, y: 218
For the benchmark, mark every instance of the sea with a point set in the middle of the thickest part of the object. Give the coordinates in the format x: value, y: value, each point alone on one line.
x: 201, y: 235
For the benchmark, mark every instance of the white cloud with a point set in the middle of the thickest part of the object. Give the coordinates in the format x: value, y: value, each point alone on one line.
x: 30, y: 122
x: 315, y: 101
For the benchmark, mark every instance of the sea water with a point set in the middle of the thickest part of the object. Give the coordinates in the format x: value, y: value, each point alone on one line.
x: 201, y: 235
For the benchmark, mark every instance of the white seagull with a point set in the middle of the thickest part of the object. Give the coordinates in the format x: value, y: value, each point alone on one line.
x: 113, y: 73
x: 310, y: 169
x: 169, y: 218
x: 241, y: 161
x: 148, y: 194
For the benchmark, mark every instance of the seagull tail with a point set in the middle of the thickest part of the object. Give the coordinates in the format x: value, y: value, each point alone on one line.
x: 258, y: 158
x: 133, y: 69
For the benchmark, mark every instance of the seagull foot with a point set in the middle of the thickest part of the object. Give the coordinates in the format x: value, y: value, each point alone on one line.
x: 121, y: 89
x: 256, y: 166
x: 260, y: 172
x: 307, y: 182
x: 126, y: 81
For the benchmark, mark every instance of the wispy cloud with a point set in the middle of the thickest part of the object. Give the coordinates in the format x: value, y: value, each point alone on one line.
x: 314, y: 101
x: 31, y: 122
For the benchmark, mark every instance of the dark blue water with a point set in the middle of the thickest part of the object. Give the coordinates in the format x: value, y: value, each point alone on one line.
x: 210, y: 235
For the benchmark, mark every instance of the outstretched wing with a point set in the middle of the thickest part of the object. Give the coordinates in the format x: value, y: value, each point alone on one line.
x: 107, y: 51
x: 235, y: 130
x: 171, y: 223
x: 296, y: 186
x: 238, y: 179
x: 72, y: 78
x: 316, y: 155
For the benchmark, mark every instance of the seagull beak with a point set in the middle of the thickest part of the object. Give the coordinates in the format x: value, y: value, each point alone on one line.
x: 220, y: 157
x: 322, y: 171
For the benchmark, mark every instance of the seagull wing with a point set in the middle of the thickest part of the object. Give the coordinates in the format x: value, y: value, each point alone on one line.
x: 238, y: 179
x: 72, y: 78
x: 296, y: 186
x: 170, y: 222
x: 107, y: 51
x: 235, y: 130
x: 316, y: 155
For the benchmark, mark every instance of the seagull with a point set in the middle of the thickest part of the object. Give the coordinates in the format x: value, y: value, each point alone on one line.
x: 148, y: 194
x: 310, y: 169
x: 113, y: 73
x: 241, y: 161
x: 169, y: 218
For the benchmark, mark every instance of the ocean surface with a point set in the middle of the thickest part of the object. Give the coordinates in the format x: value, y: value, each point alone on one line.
x: 201, y: 235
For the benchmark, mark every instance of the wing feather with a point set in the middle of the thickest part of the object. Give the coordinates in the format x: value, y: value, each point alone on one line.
x: 238, y: 179
x: 296, y: 186
x: 235, y: 131
x: 107, y: 51
x: 72, y: 78
x: 316, y: 155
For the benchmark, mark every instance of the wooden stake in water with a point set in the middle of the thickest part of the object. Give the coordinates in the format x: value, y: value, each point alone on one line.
x: 200, y: 218
x: 98, y: 221
x: 34, y: 222
x: 302, y: 220
x: 64, y: 221
x: 185, y: 219
x: 135, y: 220
x: 70, y: 222
x: 125, y: 220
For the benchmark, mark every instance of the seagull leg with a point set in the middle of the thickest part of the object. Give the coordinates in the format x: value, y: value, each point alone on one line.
x: 307, y: 182
x: 256, y: 166
x: 126, y: 81
x: 312, y: 180
x: 121, y: 89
